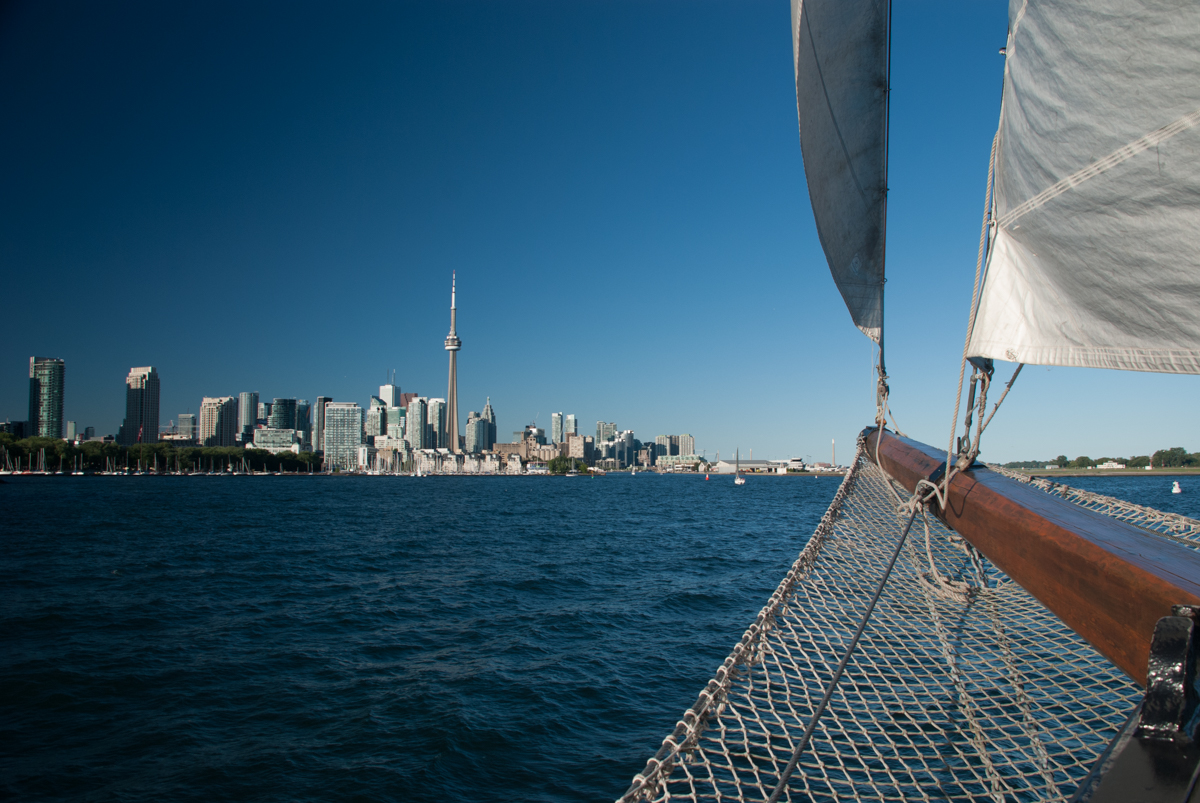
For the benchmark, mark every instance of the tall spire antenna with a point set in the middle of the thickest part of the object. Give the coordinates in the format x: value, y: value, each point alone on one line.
x: 453, y: 344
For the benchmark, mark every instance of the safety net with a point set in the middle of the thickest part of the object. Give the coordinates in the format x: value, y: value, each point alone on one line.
x: 961, y: 687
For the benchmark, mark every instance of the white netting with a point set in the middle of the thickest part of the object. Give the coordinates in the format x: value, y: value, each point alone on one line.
x: 963, y: 687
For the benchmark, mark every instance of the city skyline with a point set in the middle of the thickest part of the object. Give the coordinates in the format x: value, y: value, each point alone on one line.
x: 623, y: 165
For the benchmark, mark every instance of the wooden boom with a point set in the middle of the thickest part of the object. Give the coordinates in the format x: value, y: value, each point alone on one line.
x: 1108, y: 581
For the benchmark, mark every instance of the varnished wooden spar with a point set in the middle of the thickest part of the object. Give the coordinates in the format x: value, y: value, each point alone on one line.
x: 1107, y: 580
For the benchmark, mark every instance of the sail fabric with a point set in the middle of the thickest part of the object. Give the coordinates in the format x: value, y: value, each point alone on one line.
x: 1095, y: 252
x: 841, y: 54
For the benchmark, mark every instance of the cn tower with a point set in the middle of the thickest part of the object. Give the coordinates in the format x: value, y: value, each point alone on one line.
x: 453, y: 344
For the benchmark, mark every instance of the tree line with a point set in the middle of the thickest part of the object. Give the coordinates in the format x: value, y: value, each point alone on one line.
x: 1175, y: 457
x: 99, y: 456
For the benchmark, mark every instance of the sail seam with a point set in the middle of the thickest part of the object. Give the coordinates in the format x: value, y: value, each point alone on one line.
x: 1122, y: 154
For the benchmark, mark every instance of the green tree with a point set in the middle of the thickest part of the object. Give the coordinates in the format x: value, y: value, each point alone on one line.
x: 1083, y: 461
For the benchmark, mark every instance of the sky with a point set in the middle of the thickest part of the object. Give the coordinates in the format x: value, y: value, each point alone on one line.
x: 272, y: 197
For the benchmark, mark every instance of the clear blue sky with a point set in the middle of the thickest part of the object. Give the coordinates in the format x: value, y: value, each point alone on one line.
x: 272, y: 197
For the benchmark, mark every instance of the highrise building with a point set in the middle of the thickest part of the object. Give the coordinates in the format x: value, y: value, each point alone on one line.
x: 390, y: 393
x: 377, y: 420
x: 605, y: 431
x: 476, y: 434
x: 46, y: 375
x: 247, y: 412
x: 687, y: 444
x: 415, y: 424
x: 218, y: 421
x: 570, y: 426
x: 283, y: 414
x: 343, y: 435
x: 395, y: 422
x: 304, y: 424
x: 141, y: 407
x: 489, y: 415
x: 71, y: 433
x: 556, y: 428
x: 318, y: 425
x: 187, y: 425
x: 435, y: 424
x: 453, y: 344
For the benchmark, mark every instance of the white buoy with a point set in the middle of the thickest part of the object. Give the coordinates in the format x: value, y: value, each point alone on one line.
x: 1175, y: 489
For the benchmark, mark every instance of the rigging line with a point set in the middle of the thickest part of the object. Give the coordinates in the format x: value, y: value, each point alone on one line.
x: 983, y: 232
x: 841, y: 667
x: 1007, y: 388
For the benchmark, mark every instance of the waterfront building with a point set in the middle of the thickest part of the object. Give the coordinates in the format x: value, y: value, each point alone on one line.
x: 605, y: 431
x: 415, y: 424
x: 453, y: 344
x: 570, y: 426
x: 304, y: 424
x: 435, y: 424
x: 264, y: 413
x: 489, y: 415
x: 343, y: 435
x: 70, y: 431
x: 687, y: 444
x: 277, y: 440
x: 247, y: 413
x: 89, y: 433
x: 318, y: 423
x: 283, y: 414
x: 218, y: 421
x: 46, y: 378
x: 141, y: 407
x: 556, y: 427
x: 187, y: 426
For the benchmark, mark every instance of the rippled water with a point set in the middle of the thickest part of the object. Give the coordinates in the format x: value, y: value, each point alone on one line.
x: 371, y: 638
x: 376, y: 638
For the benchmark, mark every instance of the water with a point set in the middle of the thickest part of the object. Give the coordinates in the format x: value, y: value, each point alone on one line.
x: 297, y: 638
x: 371, y: 638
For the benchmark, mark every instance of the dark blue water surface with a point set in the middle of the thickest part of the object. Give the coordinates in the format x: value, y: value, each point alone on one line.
x: 380, y: 638
x: 371, y: 638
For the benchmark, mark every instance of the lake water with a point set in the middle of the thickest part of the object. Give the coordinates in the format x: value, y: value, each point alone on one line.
x: 379, y: 638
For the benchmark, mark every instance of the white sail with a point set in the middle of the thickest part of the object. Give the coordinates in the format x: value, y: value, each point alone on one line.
x: 841, y: 53
x: 1095, y: 251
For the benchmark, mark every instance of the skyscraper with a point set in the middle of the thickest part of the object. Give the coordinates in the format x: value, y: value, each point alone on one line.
x: 218, y: 421
x: 247, y: 412
x: 435, y: 424
x: 318, y: 436
x: 605, y: 431
x: 377, y: 420
x: 304, y: 424
x: 141, y: 407
x: 343, y: 435
x: 687, y: 444
x: 453, y: 344
x: 570, y: 426
x: 46, y: 375
x: 390, y: 393
x: 489, y: 415
x: 283, y: 414
x: 415, y: 424
x: 556, y: 427
x: 476, y: 434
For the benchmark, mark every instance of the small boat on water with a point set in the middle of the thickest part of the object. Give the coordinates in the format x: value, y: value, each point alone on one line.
x: 738, y: 479
x: 1175, y: 489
